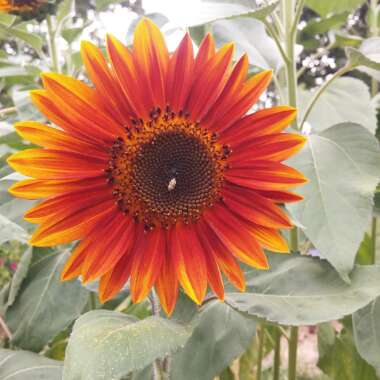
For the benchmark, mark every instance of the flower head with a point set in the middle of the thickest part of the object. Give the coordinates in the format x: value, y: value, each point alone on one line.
x: 157, y: 170
x: 29, y: 9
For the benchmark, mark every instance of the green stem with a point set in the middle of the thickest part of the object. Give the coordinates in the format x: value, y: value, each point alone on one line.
x: 93, y: 301
x: 51, y: 39
x: 260, y: 352
x: 293, y: 344
x: 6, y: 111
x: 373, y: 240
x: 320, y: 91
x: 277, y: 356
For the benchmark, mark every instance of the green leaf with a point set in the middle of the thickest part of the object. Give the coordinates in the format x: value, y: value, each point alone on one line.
x: 109, y: 345
x: 301, y: 290
x: 326, y: 7
x: 23, y: 365
x: 364, y: 256
x: 11, y: 231
x: 206, y: 11
x: 32, y: 39
x: 342, y: 39
x: 342, y: 164
x: 261, y: 50
x: 227, y: 374
x: 338, y: 357
x: 366, y: 324
x: 337, y: 105
x: 65, y: 9
x: 44, y: 305
x: 71, y: 34
x: 367, y: 57
x: 220, y: 335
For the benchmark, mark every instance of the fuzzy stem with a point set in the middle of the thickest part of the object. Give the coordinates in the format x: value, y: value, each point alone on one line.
x: 260, y: 353
x: 51, y: 39
x: 6, y: 111
x: 277, y: 357
x: 293, y: 343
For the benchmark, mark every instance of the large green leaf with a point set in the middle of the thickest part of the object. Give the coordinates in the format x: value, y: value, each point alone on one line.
x: 261, y: 49
x: 338, y: 357
x: 189, y: 13
x: 338, y: 105
x: 23, y: 365
x: 367, y: 57
x: 220, y: 335
x: 325, y: 7
x: 20, y: 32
x: 342, y: 164
x: 11, y: 231
x: 366, y: 323
x: 300, y: 290
x: 44, y: 305
x: 109, y: 345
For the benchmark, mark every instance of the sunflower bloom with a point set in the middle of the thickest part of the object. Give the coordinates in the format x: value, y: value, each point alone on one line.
x: 20, y: 6
x: 157, y: 170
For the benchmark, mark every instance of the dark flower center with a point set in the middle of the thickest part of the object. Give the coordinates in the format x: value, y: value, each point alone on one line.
x: 169, y: 169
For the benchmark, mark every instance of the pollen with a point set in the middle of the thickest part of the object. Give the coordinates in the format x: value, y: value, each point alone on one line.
x: 166, y: 170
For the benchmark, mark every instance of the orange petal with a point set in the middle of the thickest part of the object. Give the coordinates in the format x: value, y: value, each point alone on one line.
x: 269, y: 238
x: 72, y: 227
x: 61, y: 205
x: 118, y: 234
x: 148, y: 258
x: 124, y: 67
x: 167, y: 282
x: 281, y: 196
x: 180, y: 74
x: 209, y: 84
x: 54, y: 138
x: 235, y: 236
x: 264, y: 122
x: 255, y: 208
x: 276, y: 147
x: 108, y: 88
x: 224, y: 258
x: 73, y: 265
x: 189, y: 259
x: 152, y: 58
x: 248, y: 96
x: 205, y: 53
x: 43, y: 188
x: 231, y: 90
x: 78, y: 100
x: 54, y: 164
x: 265, y: 175
x: 55, y: 114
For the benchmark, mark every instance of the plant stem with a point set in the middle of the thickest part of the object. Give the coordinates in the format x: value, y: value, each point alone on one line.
x: 373, y: 240
x: 6, y: 111
x: 51, y: 39
x: 293, y: 343
x: 277, y: 357
x: 260, y: 352
x: 320, y: 91
x: 5, y: 328
x: 93, y: 301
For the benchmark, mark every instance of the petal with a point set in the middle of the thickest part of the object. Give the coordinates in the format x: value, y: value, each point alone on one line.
x: 269, y: 238
x: 209, y: 83
x: 235, y: 236
x: 265, y: 175
x: 213, y: 273
x: 180, y: 74
x: 167, y: 282
x: 43, y: 188
x: 118, y: 233
x: 148, y: 258
x: 152, y: 58
x: 73, y: 227
x: 205, y: 52
x: 108, y: 87
x: 231, y: 90
x: 189, y: 259
x: 248, y: 96
x: 281, y: 196
x: 73, y: 265
x: 276, y: 147
x: 54, y: 138
x: 41, y: 99
x: 224, y: 258
x: 54, y: 164
x: 264, y: 122
x: 255, y: 208
x: 78, y: 100
x: 122, y: 63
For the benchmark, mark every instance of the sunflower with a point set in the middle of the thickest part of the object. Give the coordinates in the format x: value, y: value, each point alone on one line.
x: 29, y: 9
x: 157, y: 170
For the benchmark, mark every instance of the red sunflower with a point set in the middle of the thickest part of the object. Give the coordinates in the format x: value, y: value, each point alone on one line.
x: 157, y: 170
x: 20, y: 6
